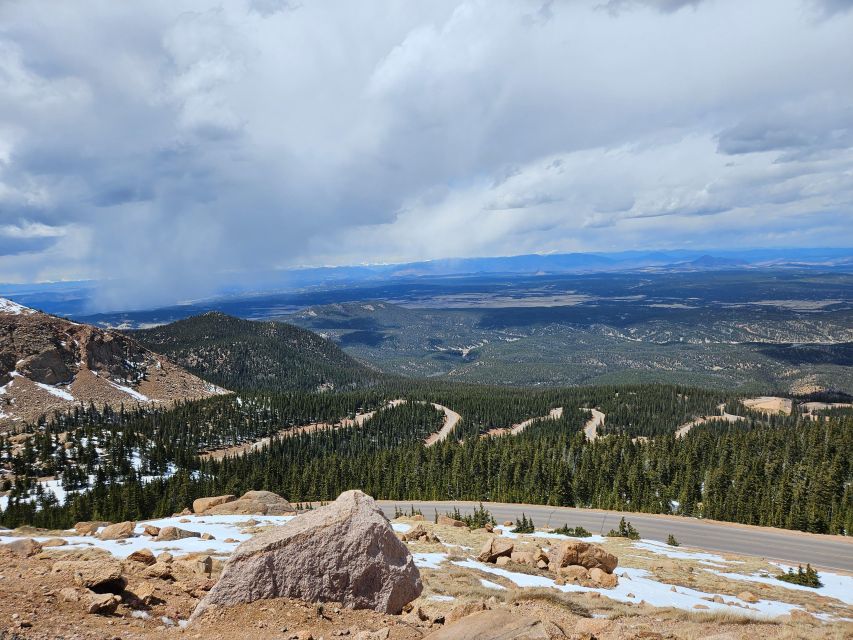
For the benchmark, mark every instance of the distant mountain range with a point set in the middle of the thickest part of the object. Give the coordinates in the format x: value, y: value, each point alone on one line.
x: 75, y: 299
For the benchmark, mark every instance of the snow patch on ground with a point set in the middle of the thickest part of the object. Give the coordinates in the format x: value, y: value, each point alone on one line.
x: 636, y: 585
x: 429, y: 560
x: 491, y: 585
x: 664, y: 549
x: 55, y: 391
x: 507, y: 533
x: 834, y: 585
x: 133, y: 393
x: 400, y: 527
x: 220, y: 527
x: 8, y: 306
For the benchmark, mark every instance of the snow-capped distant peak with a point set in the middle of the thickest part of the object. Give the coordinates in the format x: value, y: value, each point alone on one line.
x: 13, y: 308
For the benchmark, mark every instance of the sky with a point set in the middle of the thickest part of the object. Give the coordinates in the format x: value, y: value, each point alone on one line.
x: 157, y: 146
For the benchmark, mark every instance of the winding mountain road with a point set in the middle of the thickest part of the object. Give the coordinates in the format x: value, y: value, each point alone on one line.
x: 792, y: 547
x: 591, y: 426
x: 451, y: 419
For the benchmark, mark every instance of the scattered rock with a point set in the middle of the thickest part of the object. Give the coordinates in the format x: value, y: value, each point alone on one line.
x: 144, y: 556
x: 165, y: 557
x: 502, y: 561
x: 447, y: 521
x: 492, y: 625
x: 150, y: 530
x: 509, y: 523
x: 207, y: 536
x: 585, y: 554
x: 54, y: 542
x: 118, y: 531
x: 419, y: 533
x: 69, y: 594
x: 98, y: 575
x: 160, y: 570
x: 602, y: 578
x: 169, y: 534
x: 89, y: 528
x: 102, y: 604
x: 748, y: 596
x: 522, y: 557
x: 701, y: 606
x: 460, y: 611
x: 344, y: 552
x: 144, y: 593
x: 574, y: 572
x: 25, y: 547
x: 494, y: 548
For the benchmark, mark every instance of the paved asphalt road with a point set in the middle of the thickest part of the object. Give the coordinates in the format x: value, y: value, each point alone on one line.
x: 825, y: 552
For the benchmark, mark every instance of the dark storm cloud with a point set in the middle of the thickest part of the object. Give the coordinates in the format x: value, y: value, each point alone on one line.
x: 160, y: 147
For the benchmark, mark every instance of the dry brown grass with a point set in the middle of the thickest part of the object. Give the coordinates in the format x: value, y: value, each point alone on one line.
x: 551, y: 596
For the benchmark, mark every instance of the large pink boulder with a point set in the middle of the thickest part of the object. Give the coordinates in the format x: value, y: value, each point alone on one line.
x: 344, y: 552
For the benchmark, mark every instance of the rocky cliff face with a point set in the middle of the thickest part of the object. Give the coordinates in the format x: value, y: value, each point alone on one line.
x: 49, y: 363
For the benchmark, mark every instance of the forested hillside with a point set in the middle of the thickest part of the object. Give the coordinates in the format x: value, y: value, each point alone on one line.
x: 790, y: 471
x: 242, y: 354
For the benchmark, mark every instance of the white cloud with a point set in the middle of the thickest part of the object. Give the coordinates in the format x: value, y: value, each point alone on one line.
x: 180, y: 141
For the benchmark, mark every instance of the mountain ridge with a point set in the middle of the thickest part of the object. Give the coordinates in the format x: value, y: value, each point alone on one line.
x: 51, y: 364
x: 253, y: 355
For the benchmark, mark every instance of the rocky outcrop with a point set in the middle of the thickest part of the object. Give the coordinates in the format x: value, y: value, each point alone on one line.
x: 118, y: 531
x: 169, y: 534
x: 201, y: 505
x: 344, y: 552
x: 263, y: 503
x: 584, y: 554
x: 493, y: 625
x: 447, y: 521
x: 51, y: 364
x: 276, y: 505
x: 495, y: 548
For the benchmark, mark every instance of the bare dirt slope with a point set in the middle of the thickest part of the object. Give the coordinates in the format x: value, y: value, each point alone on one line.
x: 49, y: 363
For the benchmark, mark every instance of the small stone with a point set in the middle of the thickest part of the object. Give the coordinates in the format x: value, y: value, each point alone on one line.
x: 102, y: 603
x: 69, y: 594
x: 144, y: 556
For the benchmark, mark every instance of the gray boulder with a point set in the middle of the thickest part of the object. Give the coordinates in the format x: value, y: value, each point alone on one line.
x: 344, y: 552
